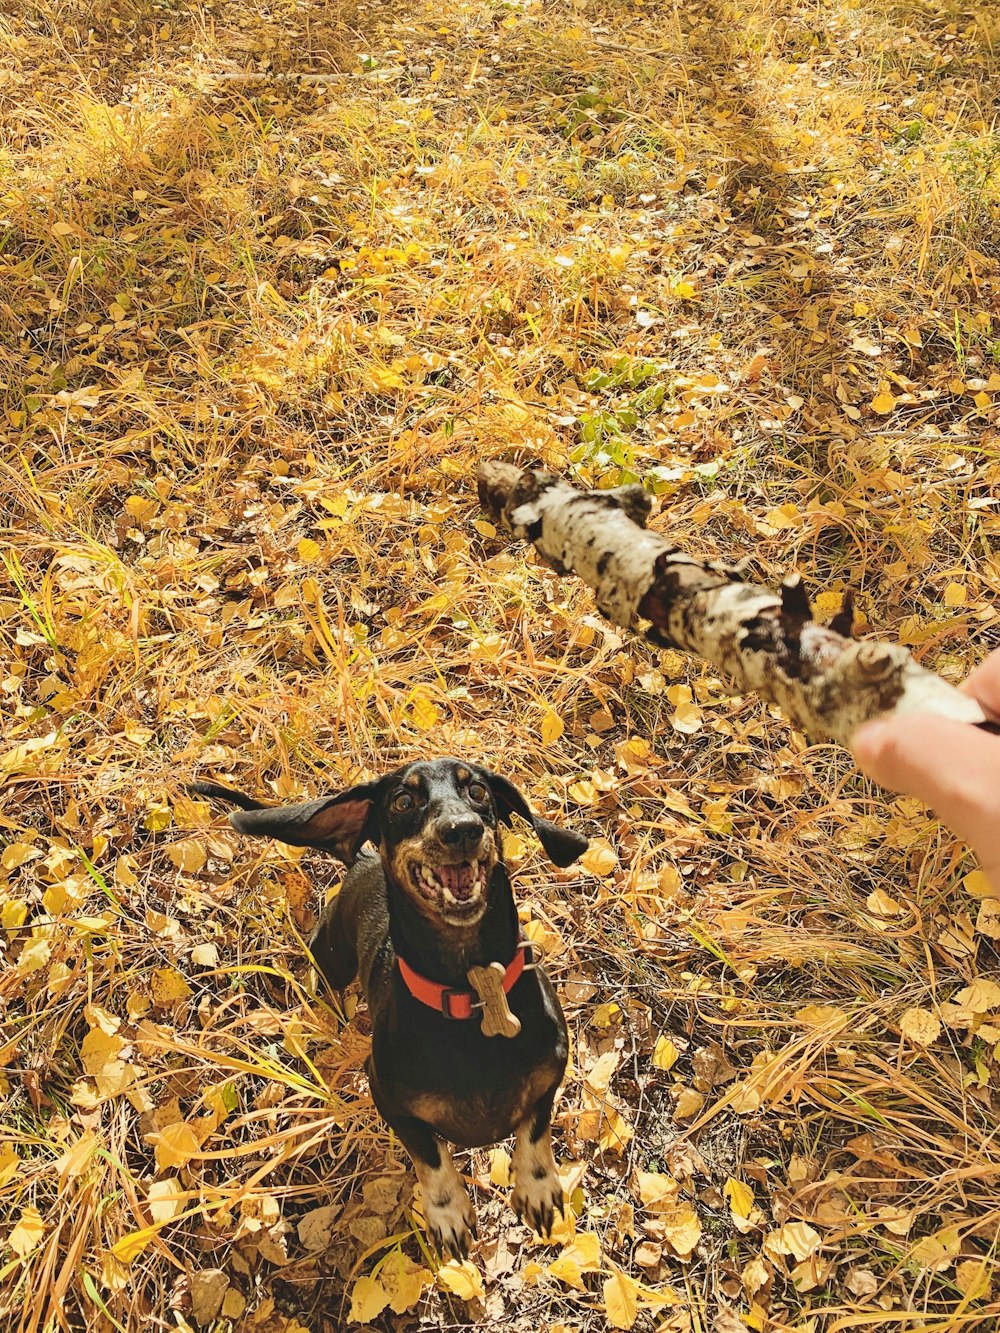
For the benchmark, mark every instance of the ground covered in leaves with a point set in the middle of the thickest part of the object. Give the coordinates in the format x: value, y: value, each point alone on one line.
x: 273, y: 278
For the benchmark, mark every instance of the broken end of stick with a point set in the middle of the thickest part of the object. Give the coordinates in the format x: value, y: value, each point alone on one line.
x: 796, y: 610
x: 795, y: 601
x: 495, y: 483
x: 843, y: 621
x: 504, y: 486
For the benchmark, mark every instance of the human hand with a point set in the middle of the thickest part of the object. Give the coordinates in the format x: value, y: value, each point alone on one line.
x: 951, y: 766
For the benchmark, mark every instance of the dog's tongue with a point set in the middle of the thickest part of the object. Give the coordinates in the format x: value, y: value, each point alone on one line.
x: 458, y: 880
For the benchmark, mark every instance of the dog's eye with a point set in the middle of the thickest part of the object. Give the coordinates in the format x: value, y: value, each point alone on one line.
x: 403, y: 802
x: 477, y: 792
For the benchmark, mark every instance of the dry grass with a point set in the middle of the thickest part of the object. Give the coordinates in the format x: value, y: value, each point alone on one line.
x: 254, y: 334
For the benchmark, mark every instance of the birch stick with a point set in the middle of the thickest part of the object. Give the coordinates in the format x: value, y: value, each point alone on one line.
x: 826, y: 682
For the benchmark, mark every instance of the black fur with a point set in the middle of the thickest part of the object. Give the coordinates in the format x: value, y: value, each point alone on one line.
x: 431, y: 1075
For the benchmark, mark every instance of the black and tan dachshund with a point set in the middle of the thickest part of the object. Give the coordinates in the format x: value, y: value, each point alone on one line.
x: 431, y: 911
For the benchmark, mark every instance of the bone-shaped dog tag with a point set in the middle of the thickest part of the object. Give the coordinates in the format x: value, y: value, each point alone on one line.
x: 487, y: 982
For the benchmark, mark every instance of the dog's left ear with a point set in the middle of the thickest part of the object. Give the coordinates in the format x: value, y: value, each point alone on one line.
x: 562, y: 846
x: 338, y: 824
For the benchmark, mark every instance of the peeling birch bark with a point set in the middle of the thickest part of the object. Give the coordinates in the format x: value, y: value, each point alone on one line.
x: 827, y: 683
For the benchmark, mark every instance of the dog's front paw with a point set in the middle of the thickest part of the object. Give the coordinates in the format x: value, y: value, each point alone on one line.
x: 451, y: 1222
x: 537, y: 1198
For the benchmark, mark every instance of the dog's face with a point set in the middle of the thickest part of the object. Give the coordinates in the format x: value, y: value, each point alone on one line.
x: 435, y: 824
x: 439, y: 839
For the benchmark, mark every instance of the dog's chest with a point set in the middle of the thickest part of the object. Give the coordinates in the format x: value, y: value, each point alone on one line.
x: 474, y: 1112
x: 472, y: 1089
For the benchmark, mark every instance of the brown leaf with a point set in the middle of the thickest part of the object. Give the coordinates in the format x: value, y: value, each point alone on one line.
x: 208, y: 1291
x: 988, y: 920
x: 861, y: 1282
x: 318, y: 1227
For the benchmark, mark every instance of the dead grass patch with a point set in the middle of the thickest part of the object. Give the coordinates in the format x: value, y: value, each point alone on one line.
x: 256, y: 329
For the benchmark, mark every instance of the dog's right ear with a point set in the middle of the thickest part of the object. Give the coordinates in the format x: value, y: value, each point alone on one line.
x: 563, y: 846
x: 337, y: 824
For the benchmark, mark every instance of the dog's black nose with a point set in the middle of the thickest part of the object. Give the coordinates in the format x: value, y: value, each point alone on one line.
x: 464, y: 834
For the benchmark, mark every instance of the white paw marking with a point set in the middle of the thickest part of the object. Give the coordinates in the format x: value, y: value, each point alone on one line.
x: 451, y: 1221
x: 538, y: 1201
x: 451, y: 1225
x: 537, y: 1195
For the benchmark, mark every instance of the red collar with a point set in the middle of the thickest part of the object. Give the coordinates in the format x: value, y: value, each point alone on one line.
x: 455, y: 1003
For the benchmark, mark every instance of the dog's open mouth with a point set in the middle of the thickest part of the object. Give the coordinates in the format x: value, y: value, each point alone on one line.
x: 458, y: 891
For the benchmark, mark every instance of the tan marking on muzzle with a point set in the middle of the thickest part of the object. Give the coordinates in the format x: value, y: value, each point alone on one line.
x: 425, y: 852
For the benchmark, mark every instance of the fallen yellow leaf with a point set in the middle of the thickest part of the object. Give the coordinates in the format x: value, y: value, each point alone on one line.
x: 165, y: 1199
x: 920, y: 1026
x: 404, y: 1280
x: 175, y: 1145
x: 368, y: 1299
x: 784, y: 516
x: 167, y: 986
x: 621, y: 1299
x: 600, y: 858
x: 463, y: 1279
x: 424, y: 712
x: 9, y: 1163
x: 980, y: 997
x: 188, y: 855
x: 99, y: 1048
x: 500, y: 1167
x: 657, y: 1192
x: 141, y: 507
x: 127, y: 1247
x: 27, y: 1233
x: 681, y: 1229
x: 798, y: 1239
x: 972, y: 1278
x: 988, y: 920
x: 583, y: 1255
x: 740, y: 1197
x: 74, y: 1160
x: 598, y: 1077
x: 552, y: 727
x: 665, y: 1053
x: 977, y: 885
x: 689, y: 1102
x: 882, y: 904
x: 687, y: 719
x: 821, y: 1015
x: 35, y: 954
